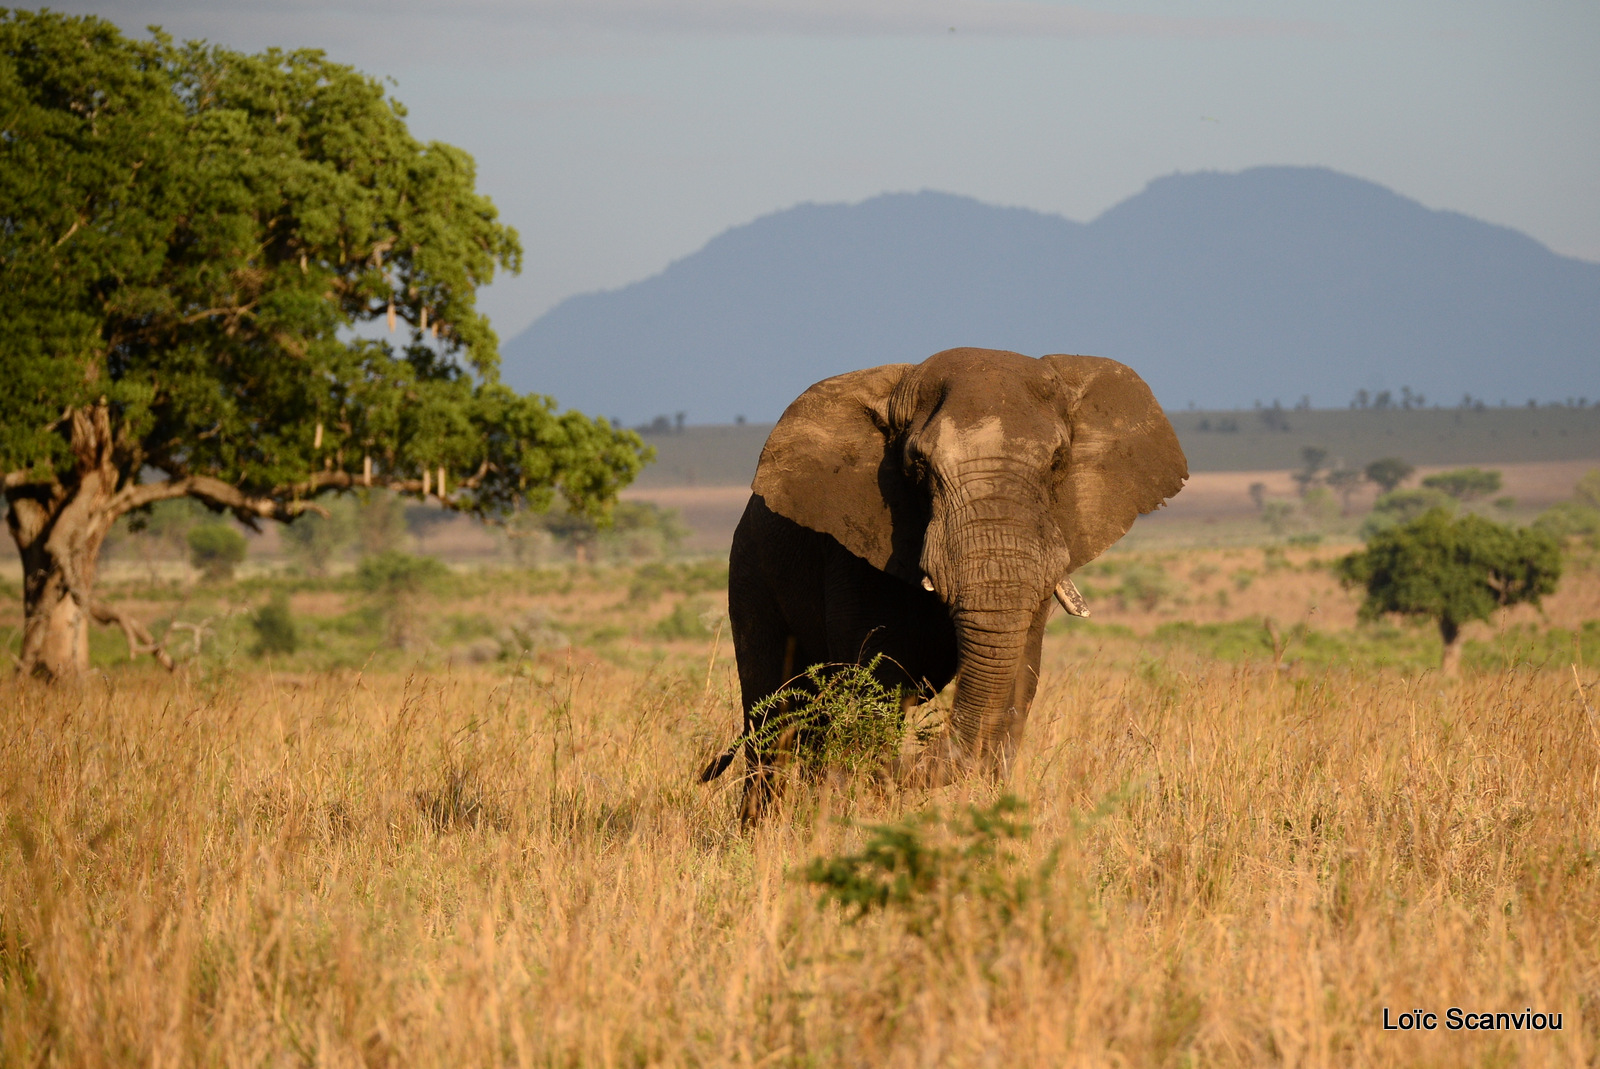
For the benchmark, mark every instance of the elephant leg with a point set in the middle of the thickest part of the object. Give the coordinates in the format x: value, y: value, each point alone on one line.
x: 775, y: 613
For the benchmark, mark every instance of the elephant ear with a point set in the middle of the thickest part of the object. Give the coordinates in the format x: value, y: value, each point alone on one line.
x: 1125, y: 457
x: 827, y: 466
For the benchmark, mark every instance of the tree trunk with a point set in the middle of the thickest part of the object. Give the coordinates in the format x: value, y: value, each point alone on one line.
x: 58, y: 529
x: 1450, y: 632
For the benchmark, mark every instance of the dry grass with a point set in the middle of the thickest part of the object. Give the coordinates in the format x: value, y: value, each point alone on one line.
x: 471, y: 869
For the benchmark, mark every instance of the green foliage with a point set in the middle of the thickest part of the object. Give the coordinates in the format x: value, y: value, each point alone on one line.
x: 685, y: 621
x: 1388, y: 472
x: 1464, y: 484
x: 190, y: 232
x: 1452, y: 570
x: 917, y: 866
x: 845, y: 716
x: 216, y: 548
x: 1374, y: 646
x: 274, y: 627
x: 1570, y: 519
x: 1403, y: 506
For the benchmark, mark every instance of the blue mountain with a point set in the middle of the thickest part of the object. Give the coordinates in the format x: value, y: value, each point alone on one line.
x: 1220, y: 289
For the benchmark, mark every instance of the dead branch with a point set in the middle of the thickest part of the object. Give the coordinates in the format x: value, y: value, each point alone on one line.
x: 139, y: 638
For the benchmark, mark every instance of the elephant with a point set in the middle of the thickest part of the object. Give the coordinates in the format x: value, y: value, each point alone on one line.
x: 929, y: 513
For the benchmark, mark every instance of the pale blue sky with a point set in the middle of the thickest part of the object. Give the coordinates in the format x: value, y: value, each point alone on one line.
x: 619, y: 135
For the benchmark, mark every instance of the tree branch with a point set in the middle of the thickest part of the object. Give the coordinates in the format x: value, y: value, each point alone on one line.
x: 206, y: 488
x: 234, y: 310
x: 280, y: 503
x: 139, y: 638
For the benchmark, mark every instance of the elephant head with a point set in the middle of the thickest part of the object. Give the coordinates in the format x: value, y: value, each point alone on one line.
x: 987, y: 477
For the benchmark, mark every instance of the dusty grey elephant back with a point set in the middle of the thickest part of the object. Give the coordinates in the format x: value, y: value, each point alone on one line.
x: 828, y: 464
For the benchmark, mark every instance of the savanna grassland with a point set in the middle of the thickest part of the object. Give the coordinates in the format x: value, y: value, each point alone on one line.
x: 463, y: 827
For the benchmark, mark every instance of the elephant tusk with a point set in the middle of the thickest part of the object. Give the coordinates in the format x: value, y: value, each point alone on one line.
x: 927, y: 584
x: 1070, y: 599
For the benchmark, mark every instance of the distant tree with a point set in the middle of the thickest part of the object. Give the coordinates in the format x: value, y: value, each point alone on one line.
x: 396, y: 581
x: 1587, y: 492
x: 1464, y: 484
x: 1258, y: 495
x: 1452, y: 571
x: 317, y: 539
x: 1344, y: 482
x: 380, y: 522
x: 1312, y: 459
x: 1571, y: 519
x: 1402, y: 506
x: 1388, y: 472
x: 639, y: 529
x: 215, y: 549
x: 187, y: 237
x: 426, y: 521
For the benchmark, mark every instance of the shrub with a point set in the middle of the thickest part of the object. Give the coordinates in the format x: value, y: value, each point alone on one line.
x: 843, y: 713
x: 1146, y: 585
x: 685, y: 621
x: 917, y: 866
x: 215, y: 548
x: 274, y: 627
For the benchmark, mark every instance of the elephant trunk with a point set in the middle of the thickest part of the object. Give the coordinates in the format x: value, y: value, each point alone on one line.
x: 998, y: 559
x: 986, y: 713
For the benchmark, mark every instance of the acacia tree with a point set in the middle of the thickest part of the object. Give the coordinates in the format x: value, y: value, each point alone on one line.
x: 188, y: 236
x: 1464, y: 484
x: 1452, y: 570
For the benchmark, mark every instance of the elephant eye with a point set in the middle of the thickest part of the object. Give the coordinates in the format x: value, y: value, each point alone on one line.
x: 916, y: 462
